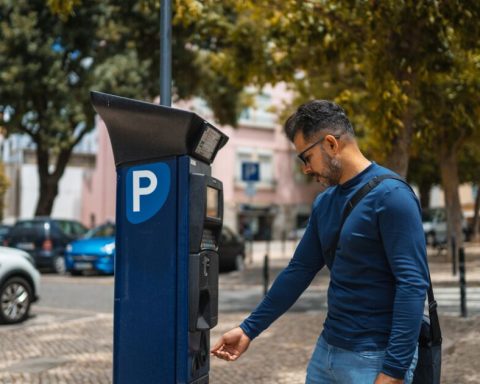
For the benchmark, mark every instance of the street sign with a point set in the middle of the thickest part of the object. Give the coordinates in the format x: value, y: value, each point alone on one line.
x: 250, y: 171
x: 250, y: 190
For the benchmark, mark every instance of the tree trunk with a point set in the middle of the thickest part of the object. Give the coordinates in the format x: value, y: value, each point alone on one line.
x: 48, y: 193
x: 424, y: 189
x: 397, y: 159
x: 450, y: 183
x: 49, y: 181
x: 476, y: 221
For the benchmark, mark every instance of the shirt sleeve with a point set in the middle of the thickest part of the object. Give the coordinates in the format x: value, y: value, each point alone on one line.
x: 402, y: 234
x: 290, y: 283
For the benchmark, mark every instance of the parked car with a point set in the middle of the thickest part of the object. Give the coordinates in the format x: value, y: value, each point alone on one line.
x: 94, y: 252
x: 19, y: 285
x: 4, y: 230
x: 231, y: 251
x: 45, y: 239
x: 434, y: 221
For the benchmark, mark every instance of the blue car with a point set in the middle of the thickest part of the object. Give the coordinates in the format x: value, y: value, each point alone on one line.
x: 95, y: 252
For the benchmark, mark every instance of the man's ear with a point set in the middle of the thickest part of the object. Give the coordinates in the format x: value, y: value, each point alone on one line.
x: 332, y: 143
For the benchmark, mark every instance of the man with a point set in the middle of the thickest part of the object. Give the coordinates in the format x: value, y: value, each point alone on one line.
x: 379, y: 277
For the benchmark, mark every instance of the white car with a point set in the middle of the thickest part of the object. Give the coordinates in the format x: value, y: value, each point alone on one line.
x: 434, y: 221
x: 19, y: 285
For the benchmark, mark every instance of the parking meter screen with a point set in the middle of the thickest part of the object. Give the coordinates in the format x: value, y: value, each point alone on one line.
x: 212, y: 203
x: 208, y: 142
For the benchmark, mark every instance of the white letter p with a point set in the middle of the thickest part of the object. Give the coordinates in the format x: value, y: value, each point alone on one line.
x: 139, y: 191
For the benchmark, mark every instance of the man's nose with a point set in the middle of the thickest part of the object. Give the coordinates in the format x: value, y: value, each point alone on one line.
x: 307, y: 169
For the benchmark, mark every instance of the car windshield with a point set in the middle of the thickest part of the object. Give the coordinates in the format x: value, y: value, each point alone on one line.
x: 28, y: 226
x: 4, y: 230
x: 107, y: 230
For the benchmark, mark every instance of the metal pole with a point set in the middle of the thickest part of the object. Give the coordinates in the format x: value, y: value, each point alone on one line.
x: 454, y: 256
x: 266, y: 266
x: 463, y: 284
x: 166, y: 53
x: 266, y: 274
x: 250, y: 224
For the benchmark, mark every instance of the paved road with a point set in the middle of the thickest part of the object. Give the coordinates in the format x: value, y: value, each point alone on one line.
x: 89, y: 293
x: 239, y: 292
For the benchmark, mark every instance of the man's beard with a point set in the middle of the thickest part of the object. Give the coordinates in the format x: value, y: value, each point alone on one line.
x: 331, y: 176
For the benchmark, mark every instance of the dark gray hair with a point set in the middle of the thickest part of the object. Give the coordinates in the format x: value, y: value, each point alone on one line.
x: 316, y: 116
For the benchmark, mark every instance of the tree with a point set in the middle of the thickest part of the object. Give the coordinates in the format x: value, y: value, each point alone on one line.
x: 469, y: 166
x: 423, y: 172
x: 411, y: 65
x: 453, y: 113
x: 47, y: 67
x: 52, y: 56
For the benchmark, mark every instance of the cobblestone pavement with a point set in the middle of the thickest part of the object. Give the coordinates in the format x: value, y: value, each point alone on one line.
x: 79, y: 350
x: 58, y: 349
x: 75, y: 346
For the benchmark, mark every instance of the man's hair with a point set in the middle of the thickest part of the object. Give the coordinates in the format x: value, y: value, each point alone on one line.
x: 316, y: 116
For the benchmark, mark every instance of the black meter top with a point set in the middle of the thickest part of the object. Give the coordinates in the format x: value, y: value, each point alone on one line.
x: 142, y: 131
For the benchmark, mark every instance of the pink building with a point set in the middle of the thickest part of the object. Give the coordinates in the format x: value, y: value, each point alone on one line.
x: 99, y: 186
x: 282, y: 198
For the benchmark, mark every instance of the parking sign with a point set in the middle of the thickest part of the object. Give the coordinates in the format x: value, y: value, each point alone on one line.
x: 250, y: 171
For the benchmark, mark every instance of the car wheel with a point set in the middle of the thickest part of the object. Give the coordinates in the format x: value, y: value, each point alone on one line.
x: 15, y: 300
x: 75, y: 273
x: 59, y: 265
x: 240, y: 262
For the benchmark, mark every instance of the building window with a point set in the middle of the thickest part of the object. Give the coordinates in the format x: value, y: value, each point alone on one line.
x: 263, y: 158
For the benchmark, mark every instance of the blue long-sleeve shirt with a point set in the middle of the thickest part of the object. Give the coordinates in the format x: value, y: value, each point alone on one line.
x: 379, y: 277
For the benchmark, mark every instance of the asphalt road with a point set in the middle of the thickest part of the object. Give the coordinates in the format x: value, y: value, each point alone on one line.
x: 84, y: 293
x: 238, y: 292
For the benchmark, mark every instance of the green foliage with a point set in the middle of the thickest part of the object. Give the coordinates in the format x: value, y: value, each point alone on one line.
x: 48, y: 65
x: 406, y: 71
x: 376, y: 58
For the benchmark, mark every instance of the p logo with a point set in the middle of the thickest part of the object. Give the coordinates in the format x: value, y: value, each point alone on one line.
x: 147, y: 190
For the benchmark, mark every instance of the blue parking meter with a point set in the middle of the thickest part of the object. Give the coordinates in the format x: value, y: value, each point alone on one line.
x: 168, y: 217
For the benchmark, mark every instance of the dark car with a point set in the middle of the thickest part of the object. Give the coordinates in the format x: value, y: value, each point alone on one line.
x: 4, y: 230
x: 94, y: 252
x: 231, y: 251
x: 45, y: 239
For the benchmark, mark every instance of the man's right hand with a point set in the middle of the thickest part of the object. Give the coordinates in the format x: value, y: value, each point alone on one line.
x: 231, y: 345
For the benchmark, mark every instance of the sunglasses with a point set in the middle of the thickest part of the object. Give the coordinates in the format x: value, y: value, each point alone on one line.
x: 301, y: 155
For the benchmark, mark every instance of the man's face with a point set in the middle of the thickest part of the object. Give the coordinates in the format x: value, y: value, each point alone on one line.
x: 319, y: 158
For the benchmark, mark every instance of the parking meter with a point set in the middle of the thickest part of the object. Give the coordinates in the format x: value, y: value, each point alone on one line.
x: 169, y: 213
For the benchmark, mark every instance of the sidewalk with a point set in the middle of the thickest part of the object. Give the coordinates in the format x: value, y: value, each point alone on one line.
x: 441, y: 269
x: 280, y: 355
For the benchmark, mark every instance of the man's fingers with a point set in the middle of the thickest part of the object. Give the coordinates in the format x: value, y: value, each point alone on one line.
x: 219, y: 344
x: 224, y: 355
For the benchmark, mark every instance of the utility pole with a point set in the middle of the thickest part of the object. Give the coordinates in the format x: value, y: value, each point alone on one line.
x: 166, y: 53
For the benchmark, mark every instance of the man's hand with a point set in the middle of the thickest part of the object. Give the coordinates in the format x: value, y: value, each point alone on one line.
x: 231, y: 345
x: 385, y: 379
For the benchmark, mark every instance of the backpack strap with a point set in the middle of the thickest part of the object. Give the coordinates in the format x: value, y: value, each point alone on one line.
x: 329, y: 256
x: 359, y: 195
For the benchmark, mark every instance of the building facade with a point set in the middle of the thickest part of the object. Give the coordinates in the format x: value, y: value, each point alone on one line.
x: 18, y: 155
x: 279, y: 202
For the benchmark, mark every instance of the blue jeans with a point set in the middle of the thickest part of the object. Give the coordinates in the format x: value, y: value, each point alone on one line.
x: 333, y: 365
